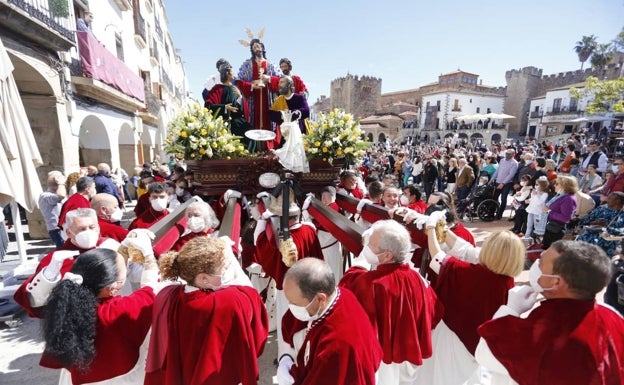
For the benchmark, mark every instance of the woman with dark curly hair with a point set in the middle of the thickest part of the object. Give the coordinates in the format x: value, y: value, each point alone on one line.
x: 91, y: 331
x: 210, y: 330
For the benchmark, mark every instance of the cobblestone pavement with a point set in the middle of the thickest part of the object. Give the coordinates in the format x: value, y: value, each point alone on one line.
x: 21, y: 346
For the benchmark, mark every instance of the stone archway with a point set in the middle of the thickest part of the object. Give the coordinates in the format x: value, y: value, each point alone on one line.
x: 93, y: 142
x: 496, y: 138
x: 127, y: 148
x: 369, y: 137
x: 476, y: 139
x: 39, y: 96
x: 382, y: 137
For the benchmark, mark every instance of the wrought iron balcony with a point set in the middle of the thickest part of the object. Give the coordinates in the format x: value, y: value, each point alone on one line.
x: 536, y: 114
x: 52, y: 29
x: 140, y: 36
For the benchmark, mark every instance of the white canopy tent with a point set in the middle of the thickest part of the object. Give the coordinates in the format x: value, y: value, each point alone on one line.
x: 19, y: 155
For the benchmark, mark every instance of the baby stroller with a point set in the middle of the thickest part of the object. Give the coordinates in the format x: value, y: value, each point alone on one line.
x: 480, y: 203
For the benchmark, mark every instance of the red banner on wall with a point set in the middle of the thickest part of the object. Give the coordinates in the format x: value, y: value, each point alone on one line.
x: 100, y: 64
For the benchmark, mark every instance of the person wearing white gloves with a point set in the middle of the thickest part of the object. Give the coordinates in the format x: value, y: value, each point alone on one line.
x: 569, y: 338
x: 83, y: 234
x: 93, y: 333
x: 471, y: 292
x: 330, y: 340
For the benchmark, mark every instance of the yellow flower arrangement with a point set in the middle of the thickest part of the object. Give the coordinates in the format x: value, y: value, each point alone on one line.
x: 334, y: 135
x: 196, y: 134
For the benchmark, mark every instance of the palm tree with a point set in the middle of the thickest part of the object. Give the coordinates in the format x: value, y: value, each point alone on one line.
x: 602, y: 55
x: 585, y: 48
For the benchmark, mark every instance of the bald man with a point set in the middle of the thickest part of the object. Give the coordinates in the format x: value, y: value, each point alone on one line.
x: 109, y: 215
x: 104, y: 183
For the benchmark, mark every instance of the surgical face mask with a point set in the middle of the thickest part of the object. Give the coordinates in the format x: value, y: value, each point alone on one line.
x: 301, y: 312
x: 535, y: 273
x: 370, y: 256
x: 615, y: 168
x: 179, y: 191
x: 226, y: 279
x: 159, y: 204
x: 284, y: 90
x: 522, y: 184
x: 195, y: 224
x: 86, y: 239
x: 116, y: 215
x: 404, y: 200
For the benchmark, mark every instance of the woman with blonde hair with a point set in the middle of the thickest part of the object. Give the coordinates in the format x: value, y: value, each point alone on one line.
x: 560, y: 209
x: 212, y: 328
x: 70, y: 183
x: 472, y: 284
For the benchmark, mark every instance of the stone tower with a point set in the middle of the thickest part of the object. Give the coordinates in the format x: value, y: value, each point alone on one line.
x: 358, y: 96
x: 522, y: 86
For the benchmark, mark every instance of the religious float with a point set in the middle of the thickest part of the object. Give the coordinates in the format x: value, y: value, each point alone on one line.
x: 222, y: 161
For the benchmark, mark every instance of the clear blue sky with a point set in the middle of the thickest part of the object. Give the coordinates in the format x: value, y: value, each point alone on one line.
x: 405, y: 43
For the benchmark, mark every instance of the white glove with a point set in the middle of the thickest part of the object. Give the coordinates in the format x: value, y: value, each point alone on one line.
x: 52, y: 271
x: 231, y: 194
x: 142, y: 241
x: 306, y: 203
x: 262, y: 194
x: 521, y: 298
x: 267, y: 214
x: 361, y: 204
x: 283, y: 371
x: 413, y: 216
x: 436, y: 217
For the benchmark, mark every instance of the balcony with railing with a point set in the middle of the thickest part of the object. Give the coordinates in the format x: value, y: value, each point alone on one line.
x: 158, y: 30
x: 565, y: 110
x: 154, y: 58
x: 106, y: 78
x: 41, y: 22
x: 536, y: 114
x: 167, y: 82
x: 140, y: 35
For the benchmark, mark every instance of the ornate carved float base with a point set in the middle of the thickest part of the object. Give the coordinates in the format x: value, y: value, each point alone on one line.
x: 218, y: 175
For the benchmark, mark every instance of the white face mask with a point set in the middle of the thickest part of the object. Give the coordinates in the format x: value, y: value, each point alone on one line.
x: 116, y: 215
x: 535, y: 273
x: 225, y: 279
x: 615, y: 168
x: 159, y: 204
x: 195, y: 224
x: 370, y: 256
x: 86, y: 239
x: 301, y: 312
x: 179, y: 191
x: 522, y: 184
x: 404, y: 200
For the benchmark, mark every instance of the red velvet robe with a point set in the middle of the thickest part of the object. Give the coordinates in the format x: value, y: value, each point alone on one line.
x: 76, y: 201
x: 143, y: 203
x: 269, y: 256
x: 561, y: 342
x: 123, y: 323
x: 343, y: 347
x: 21, y: 295
x: 401, y: 308
x: 111, y: 230
x: 471, y: 294
x: 207, y: 337
x: 147, y: 219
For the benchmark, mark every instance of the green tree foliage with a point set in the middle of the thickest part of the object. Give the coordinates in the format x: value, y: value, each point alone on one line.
x: 607, y: 95
x: 585, y: 48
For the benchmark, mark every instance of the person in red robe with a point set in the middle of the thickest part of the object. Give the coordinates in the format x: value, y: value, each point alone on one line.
x: 329, y: 337
x: 212, y: 329
x: 254, y: 81
x: 286, y: 67
x: 400, y: 304
x: 568, y: 338
x: 90, y: 330
x: 109, y: 215
x: 349, y: 184
x: 158, y: 199
x: 273, y: 256
x: 412, y: 199
x: 85, y: 190
x: 201, y: 220
x: 471, y: 292
x: 82, y: 234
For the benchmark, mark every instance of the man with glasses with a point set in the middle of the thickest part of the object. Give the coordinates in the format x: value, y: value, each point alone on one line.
x: 569, y: 338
